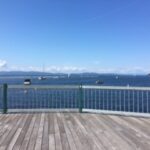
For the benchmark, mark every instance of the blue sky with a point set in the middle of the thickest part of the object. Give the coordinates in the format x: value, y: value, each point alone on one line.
x: 75, y: 35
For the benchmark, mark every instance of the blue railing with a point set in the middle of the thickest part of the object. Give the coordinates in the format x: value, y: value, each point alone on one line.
x: 103, y: 99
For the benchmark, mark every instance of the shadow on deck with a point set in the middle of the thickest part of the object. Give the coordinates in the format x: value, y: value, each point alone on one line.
x: 73, y: 131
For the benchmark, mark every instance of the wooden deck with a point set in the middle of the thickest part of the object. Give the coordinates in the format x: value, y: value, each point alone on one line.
x: 73, y: 131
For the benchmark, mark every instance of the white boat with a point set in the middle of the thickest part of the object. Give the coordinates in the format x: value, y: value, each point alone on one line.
x: 42, y: 78
x: 98, y: 82
x: 27, y: 82
x: 117, y: 77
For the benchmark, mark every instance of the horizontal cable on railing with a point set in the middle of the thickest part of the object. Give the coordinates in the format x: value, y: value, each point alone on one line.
x: 44, y: 86
x: 117, y: 88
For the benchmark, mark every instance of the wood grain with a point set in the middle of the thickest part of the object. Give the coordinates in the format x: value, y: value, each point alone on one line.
x: 73, y: 131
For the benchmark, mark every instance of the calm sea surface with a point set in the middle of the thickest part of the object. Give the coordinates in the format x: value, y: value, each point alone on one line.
x: 109, y: 80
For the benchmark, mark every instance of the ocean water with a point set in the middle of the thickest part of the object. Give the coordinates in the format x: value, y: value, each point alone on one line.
x: 109, y: 80
x: 105, y: 100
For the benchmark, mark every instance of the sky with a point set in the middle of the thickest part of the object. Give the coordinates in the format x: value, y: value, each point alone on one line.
x: 104, y: 36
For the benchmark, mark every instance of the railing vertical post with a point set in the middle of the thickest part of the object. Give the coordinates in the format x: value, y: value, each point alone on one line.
x: 80, y: 98
x: 5, y: 98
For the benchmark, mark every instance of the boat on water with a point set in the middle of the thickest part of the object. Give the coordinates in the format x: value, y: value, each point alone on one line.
x: 99, y: 82
x: 27, y: 82
x: 117, y: 77
x: 42, y: 78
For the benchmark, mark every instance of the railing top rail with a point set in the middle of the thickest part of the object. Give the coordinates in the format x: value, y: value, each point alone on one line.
x: 77, y: 86
x: 117, y: 88
x: 43, y: 86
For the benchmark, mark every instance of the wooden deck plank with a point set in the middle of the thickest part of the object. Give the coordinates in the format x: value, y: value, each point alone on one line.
x: 17, y: 133
x: 109, y: 132
x: 63, y: 136
x: 4, y: 123
x: 45, y: 142
x: 69, y: 135
x: 38, y: 144
x: 9, y: 128
x: 73, y: 131
x: 26, y: 140
x: 51, y: 123
x: 101, y: 137
x: 92, y: 139
x: 146, y: 121
x: 34, y: 134
x: 142, y: 126
x: 3, y: 117
x: 23, y: 133
x: 75, y: 136
x: 57, y: 134
x: 9, y: 142
x: 121, y: 130
x: 141, y: 134
x: 84, y: 133
x: 52, y: 144
x: 14, y: 139
x: 129, y: 132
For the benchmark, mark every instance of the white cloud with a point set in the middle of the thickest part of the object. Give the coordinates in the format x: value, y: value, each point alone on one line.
x: 65, y: 69
x: 125, y: 70
x: 3, y: 64
x: 53, y: 69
